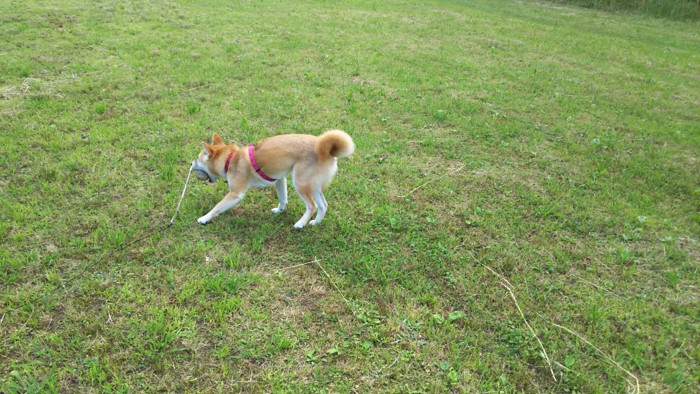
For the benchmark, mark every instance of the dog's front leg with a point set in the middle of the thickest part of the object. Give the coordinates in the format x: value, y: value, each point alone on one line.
x: 281, y: 186
x: 229, y: 201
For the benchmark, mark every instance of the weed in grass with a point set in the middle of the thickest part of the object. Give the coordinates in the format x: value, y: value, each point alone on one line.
x: 100, y: 108
x: 193, y: 108
x: 27, y: 383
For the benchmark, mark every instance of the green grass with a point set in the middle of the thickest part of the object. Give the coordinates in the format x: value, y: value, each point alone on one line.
x: 556, y: 146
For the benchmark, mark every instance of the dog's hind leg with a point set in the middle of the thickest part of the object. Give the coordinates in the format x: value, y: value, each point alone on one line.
x: 306, y: 194
x: 322, y: 207
x: 228, y: 202
x: 281, y: 186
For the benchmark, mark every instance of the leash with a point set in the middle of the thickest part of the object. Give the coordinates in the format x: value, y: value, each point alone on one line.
x: 124, y: 247
x: 183, y: 194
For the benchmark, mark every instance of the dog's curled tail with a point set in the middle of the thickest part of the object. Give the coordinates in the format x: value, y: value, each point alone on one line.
x: 334, y: 143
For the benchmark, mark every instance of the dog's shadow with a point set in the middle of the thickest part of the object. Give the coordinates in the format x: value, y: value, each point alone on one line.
x: 251, y: 224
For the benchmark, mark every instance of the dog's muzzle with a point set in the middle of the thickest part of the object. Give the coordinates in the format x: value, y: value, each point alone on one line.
x: 201, y: 173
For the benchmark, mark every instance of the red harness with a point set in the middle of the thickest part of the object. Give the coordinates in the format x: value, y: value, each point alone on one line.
x: 228, y: 161
x: 256, y: 167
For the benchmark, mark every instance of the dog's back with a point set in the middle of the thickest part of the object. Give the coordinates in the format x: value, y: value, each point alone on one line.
x: 281, y: 153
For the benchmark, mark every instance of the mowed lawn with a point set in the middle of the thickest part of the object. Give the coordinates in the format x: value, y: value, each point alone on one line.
x: 526, y: 180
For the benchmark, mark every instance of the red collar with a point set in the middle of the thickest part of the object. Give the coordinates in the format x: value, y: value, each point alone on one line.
x: 228, y: 161
x: 256, y: 167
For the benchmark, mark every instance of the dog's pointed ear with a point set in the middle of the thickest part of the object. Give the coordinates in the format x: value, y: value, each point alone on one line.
x: 216, y: 140
x: 208, y: 149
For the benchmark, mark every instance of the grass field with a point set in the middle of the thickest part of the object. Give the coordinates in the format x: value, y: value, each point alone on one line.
x: 520, y: 168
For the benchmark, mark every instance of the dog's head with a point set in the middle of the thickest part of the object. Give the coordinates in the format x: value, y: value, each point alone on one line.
x: 204, y: 166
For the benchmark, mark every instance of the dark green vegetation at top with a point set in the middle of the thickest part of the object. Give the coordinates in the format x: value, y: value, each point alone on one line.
x: 672, y: 9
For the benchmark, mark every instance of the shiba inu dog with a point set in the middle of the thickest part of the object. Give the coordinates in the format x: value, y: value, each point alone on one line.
x: 312, y: 161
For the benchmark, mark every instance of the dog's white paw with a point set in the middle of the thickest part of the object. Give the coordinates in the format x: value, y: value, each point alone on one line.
x: 313, y: 222
x: 277, y: 210
x: 203, y: 220
x: 298, y: 225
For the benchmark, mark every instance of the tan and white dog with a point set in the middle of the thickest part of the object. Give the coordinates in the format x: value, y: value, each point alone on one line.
x: 310, y: 159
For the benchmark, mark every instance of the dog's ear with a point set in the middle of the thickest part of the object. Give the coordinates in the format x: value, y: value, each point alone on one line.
x: 208, y: 149
x: 216, y: 140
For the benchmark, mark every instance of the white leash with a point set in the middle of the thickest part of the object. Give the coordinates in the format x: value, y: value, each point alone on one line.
x: 182, y: 196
